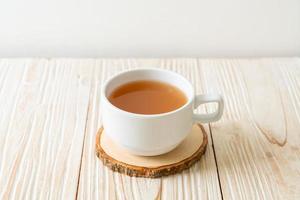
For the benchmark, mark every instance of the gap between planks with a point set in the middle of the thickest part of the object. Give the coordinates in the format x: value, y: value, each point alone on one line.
x: 83, y: 145
x: 215, y: 157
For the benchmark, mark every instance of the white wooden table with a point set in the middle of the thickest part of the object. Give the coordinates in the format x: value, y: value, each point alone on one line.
x: 49, y: 115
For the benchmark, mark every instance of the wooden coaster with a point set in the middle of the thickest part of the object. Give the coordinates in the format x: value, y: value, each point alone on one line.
x: 182, y: 157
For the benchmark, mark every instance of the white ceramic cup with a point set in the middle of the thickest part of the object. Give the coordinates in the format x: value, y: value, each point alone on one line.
x: 154, y: 134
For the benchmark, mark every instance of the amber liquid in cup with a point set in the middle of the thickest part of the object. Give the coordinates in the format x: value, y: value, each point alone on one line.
x: 147, y: 97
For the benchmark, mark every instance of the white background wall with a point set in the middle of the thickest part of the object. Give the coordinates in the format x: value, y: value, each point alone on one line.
x: 149, y: 28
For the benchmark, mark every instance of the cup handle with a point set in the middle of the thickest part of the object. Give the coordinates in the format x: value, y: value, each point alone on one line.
x: 208, y: 98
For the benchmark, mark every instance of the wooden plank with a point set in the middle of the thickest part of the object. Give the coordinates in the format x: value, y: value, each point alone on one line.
x: 257, y: 141
x: 43, y: 106
x: 98, y: 182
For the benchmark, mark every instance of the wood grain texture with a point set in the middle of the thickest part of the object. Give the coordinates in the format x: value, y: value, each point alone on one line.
x: 43, y: 106
x: 98, y: 182
x: 257, y: 141
x: 49, y: 115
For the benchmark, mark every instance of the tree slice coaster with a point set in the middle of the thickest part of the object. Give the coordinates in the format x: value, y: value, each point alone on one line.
x: 182, y: 157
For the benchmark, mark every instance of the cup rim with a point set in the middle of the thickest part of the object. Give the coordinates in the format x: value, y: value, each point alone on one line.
x: 106, y: 83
